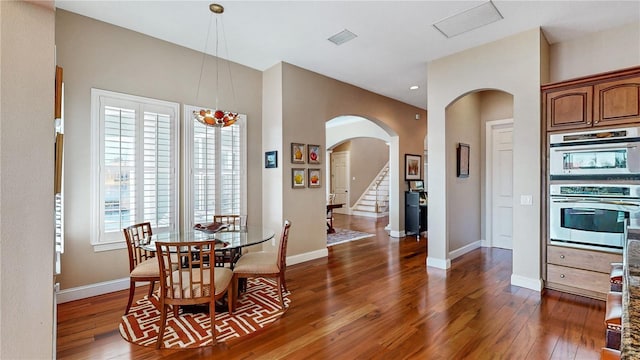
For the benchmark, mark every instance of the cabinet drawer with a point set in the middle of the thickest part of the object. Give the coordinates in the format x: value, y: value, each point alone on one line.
x: 582, y: 259
x: 583, y: 279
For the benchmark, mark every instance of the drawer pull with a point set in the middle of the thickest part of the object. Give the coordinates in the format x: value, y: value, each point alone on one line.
x: 561, y: 256
x: 562, y: 276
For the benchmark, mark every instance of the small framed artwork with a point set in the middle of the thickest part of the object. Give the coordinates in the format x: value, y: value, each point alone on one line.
x: 297, y: 153
x: 298, y: 178
x: 412, y: 165
x: 271, y: 159
x: 314, y: 154
x: 462, y: 157
x: 314, y: 178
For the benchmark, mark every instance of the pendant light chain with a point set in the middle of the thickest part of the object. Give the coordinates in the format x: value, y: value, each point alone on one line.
x: 217, y: 66
x: 217, y: 118
x: 204, y: 56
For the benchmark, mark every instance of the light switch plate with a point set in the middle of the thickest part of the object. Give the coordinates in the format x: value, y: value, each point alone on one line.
x: 526, y: 200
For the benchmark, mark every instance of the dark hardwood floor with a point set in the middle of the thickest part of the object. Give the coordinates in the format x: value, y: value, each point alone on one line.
x: 375, y: 299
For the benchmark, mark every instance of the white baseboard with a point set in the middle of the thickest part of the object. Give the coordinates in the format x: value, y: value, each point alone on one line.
x: 397, y: 234
x: 484, y: 243
x: 525, y: 282
x: 300, y: 258
x: 439, y: 263
x: 465, y: 249
x: 86, y: 291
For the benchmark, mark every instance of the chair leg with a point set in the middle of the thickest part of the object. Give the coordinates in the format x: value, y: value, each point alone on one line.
x: 152, y: 285
x: 280, y: 292
x: 236, y: 290
x: 163, y: 319
x: 284, y: 282
x: 230, y: 296
x: 212, y: 318
x: 132, y: 290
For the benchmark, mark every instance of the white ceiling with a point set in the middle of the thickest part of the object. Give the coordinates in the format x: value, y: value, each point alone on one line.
x: 395, y: 39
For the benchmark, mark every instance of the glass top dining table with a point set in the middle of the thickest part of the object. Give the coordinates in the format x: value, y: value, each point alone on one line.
x: 227, y: 239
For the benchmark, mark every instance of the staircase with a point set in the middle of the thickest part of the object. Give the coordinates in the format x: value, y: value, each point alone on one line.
x: 375, y: 201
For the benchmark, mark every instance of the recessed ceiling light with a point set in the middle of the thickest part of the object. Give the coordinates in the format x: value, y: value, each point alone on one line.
x: 414, y: 87
x: 468, y: 20
x: 342, y: 37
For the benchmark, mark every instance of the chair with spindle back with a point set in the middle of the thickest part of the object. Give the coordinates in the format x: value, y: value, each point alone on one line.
x: 234, y: 223
x: 143, y: 267
x: 187, y: 277
x: 266, y: 264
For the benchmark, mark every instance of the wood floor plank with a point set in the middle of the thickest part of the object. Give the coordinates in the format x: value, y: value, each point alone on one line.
x: 375, y: 298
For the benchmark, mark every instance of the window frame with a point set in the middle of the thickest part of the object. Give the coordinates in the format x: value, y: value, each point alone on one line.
x: 101, y: 240
x: 188, y: 159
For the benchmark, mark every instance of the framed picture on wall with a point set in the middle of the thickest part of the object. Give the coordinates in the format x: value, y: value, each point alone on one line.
x: 271, y: 159
x: 412, y: 167
x: 314, y: 154
x: 462, y: 160
x: 297, y: 153
x: 314, y: 178
x: 298, y: 178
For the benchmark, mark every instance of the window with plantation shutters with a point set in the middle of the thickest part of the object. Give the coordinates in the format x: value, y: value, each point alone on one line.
x: 134, y: 162
x: 215, y: 180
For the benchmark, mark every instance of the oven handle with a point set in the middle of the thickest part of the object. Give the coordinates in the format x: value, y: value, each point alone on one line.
x: 589, y: 201
x: 592, y: 147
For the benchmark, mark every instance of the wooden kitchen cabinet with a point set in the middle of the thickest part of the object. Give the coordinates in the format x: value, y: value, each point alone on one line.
x: 569, y: 108
x: 603, y: 100
x: 579, y: 271
x: 617, y: 102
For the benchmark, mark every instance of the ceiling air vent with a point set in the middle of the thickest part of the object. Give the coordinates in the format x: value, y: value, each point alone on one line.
x: 342, y: 37
x: 468, y: 20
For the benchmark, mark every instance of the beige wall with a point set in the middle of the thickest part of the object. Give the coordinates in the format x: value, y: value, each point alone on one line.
x: 463, y: 194
x: 608, y: 50
x: 272, y: 139
x: 512, y: 65
x: 27, y: 67
x: 309, y: 100
x: 99, y: 55
x: 367, y: 156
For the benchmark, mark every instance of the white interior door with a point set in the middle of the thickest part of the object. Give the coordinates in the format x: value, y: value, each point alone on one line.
x: 340, y: 180
x: 502, y: 186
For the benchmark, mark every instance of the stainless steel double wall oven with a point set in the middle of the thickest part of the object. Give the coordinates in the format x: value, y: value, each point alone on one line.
x: 594, y: 192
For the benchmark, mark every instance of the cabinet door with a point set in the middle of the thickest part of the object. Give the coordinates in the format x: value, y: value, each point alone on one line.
x: 617, y: 102
x: 569, y: 108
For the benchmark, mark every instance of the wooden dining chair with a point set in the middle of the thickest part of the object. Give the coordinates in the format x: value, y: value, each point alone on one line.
x: 143, y: 267
x: 189, y: 278
x: 266, y: 264
x: 234, y: 223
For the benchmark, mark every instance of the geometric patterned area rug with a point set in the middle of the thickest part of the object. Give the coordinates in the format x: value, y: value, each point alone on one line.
x: 257, y: 308
x: 345, y: 235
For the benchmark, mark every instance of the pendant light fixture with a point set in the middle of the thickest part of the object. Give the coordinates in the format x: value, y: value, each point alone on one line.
x: 216, y: 117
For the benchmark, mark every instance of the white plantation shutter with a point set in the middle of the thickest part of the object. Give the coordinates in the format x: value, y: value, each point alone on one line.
x: 216, y: 176
x: 135, y: 164
x: 159, y: 166
x: 230, y: 170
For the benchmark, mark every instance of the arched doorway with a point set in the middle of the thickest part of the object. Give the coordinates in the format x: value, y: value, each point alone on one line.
x: 482, y: 120
x: 345, y: 128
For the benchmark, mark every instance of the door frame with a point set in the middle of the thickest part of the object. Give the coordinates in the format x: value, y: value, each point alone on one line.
x: 488, y: 173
